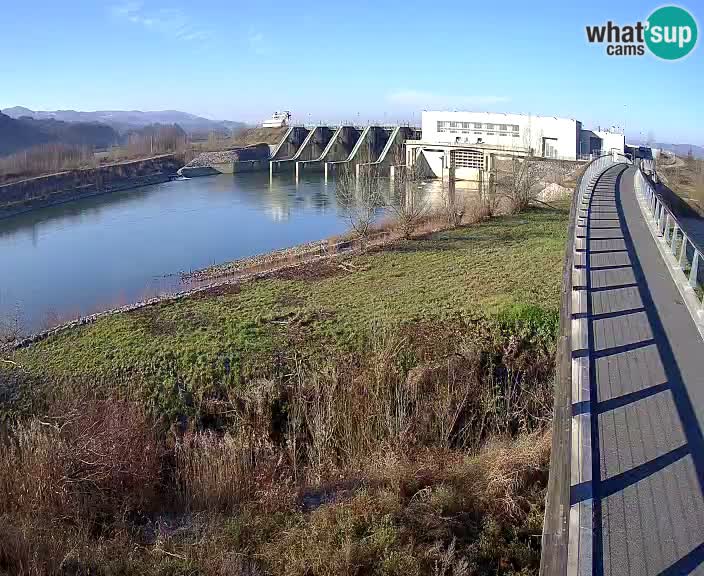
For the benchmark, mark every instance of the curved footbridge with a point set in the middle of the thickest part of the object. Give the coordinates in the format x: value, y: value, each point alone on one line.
x: 627, y: 471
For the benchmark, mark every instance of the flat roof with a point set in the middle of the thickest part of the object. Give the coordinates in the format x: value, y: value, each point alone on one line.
x: 478, y: 146
x: 497, y: 114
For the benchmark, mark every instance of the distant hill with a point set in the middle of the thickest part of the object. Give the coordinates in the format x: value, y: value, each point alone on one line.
x: 24, y: 132
x: 156, y: 130
x: 92, y: 134
x: 125, y: 120
x: 16, y: 135
x: 681, y: 149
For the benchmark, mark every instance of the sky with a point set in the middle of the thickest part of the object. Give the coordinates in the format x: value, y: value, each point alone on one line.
x: 357, y: 61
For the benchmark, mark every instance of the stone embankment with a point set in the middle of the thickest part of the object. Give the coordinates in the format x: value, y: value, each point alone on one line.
x: 26, y: 195
x: 225, y: 161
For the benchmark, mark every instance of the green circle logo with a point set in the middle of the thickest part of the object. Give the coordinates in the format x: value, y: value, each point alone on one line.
x: 671, y: 32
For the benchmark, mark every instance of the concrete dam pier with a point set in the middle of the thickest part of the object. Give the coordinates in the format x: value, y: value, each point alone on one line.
x: 322, y: 149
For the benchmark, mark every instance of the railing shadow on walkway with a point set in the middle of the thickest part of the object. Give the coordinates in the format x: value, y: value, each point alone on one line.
x: 694, y: 445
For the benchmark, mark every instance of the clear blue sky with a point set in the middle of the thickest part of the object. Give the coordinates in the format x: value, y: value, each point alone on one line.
x: 333, y: 61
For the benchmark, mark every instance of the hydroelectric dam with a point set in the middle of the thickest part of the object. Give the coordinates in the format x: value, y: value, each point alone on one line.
x: 321, y: 148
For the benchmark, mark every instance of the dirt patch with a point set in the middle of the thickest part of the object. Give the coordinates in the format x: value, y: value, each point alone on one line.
x: 317, y: 270
x: 221, y: 290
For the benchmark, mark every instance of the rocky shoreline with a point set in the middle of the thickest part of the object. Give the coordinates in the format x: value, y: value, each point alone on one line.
x: 267, y: 258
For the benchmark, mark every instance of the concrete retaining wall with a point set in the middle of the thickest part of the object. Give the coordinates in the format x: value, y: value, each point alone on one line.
x: 53, y: 189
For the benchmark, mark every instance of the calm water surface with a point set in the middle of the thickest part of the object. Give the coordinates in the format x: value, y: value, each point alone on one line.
x: 76, y: 258
x: 80, y: 257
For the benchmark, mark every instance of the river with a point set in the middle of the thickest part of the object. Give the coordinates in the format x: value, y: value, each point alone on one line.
x: 81, y: 257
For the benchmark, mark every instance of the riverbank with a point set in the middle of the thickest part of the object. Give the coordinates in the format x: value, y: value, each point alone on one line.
x: 228, y: 275
x: 26, y: 195
x: 476, y: 269
x: 382, y: 411
x: 214, y: 279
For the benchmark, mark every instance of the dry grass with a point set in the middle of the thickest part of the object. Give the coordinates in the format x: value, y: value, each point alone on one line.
x: 423, y: 449
x: 361, y: 463
x: 214, y: 472
x: 99, y: 458
x: 435, y: 512
x: 686, y: 178
x: 438, y: 512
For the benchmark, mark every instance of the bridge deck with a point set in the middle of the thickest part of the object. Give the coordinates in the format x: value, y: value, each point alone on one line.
x: 641, y: 489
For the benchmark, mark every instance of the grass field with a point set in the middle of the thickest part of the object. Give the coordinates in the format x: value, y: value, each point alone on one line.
x: 385, y: 414
x: 507, y: 268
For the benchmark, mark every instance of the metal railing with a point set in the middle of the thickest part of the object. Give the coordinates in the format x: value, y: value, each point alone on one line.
x: 595, y: 168
x: 557, y: 507
x: 689, y: 259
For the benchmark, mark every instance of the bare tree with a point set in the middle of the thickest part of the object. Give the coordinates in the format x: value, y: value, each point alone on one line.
x: 408, y: 203
x: 518, y: 180
x: 45, y: 159
x: 559, y: 171
x: 489, y: 200
x: 452, y: 209
x: 360, y: 195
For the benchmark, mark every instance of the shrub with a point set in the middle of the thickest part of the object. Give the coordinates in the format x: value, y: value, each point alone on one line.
x: 100, y: 459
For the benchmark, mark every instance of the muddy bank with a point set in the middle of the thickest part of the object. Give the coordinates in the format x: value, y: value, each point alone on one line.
x: 33, y: 193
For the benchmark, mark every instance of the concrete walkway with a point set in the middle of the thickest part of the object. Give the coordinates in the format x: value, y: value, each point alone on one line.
x: 645, y: 400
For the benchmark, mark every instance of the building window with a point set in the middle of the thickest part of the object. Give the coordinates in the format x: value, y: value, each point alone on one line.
x: 503, y: 127
x: 489, y: 126
x: 477, y: 125
x: 489, y: 133
x: 467, y: 159
x: 442, y: 125
x: 515, y: 127
x: 515, y: 134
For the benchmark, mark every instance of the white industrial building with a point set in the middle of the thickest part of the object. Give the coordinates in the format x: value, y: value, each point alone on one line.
x: 543, y: 135
x: 595, y: 142
x: 466, y: 141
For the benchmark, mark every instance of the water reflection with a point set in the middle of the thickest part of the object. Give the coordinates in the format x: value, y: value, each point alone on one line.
x: 79, y: 257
